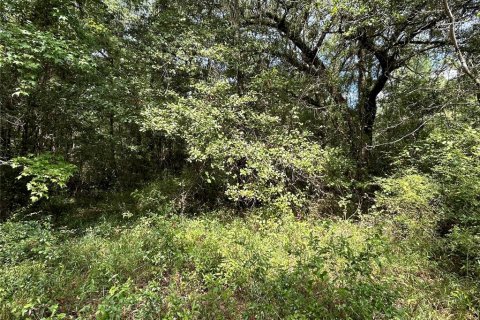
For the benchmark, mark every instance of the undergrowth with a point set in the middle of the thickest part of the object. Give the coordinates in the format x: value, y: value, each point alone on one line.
x: 219, y: 266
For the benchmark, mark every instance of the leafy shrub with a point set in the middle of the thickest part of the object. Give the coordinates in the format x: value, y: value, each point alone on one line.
x: 20, y: 241
x: 187, y: 192
x: 246, y: 147
x: 440, y: 177
x: 454, y: 157
x: 43, y: 171
x: 410, y: 191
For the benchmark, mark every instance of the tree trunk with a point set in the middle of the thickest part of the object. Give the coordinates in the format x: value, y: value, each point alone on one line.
x: 367, y: 114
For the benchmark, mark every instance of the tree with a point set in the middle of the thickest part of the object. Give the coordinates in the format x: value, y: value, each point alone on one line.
x: 453, y: 39
x: 352, y: 48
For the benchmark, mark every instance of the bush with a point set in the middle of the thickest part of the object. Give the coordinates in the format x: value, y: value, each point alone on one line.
x: 440, y: 178
x: 251, y: 153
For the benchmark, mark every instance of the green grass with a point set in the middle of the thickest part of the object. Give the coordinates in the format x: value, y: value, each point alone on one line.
x: 218, y: 266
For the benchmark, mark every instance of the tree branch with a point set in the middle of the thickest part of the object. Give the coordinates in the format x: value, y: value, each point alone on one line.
x: 453, y: 39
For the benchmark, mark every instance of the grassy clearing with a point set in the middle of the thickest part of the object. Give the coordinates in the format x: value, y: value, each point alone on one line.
x: 220, y: 267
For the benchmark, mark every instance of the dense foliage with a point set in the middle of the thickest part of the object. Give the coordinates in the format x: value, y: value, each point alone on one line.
x: 191, y: 159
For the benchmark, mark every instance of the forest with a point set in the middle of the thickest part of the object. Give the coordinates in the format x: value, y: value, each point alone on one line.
x: 239, y: 159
